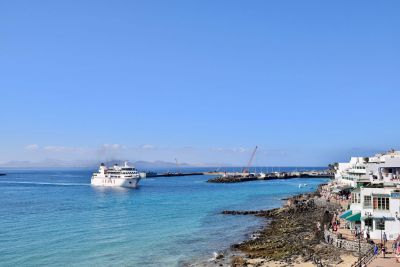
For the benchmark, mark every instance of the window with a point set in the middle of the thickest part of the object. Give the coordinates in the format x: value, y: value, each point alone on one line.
x: 379, y: 225
x: 368, y: 223
x: 367, y: 202
x: 381, y: 203
x: 355, y: 198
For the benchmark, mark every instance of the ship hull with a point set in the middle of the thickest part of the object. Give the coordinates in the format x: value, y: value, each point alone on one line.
x: 115, y: 182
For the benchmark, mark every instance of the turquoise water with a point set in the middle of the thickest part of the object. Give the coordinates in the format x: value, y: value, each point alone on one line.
x: 54, y: 217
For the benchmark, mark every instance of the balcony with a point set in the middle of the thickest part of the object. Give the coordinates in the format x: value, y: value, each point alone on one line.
x: 357, y: 171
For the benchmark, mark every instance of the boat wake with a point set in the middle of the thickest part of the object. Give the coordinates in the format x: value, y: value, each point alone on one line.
x: 43, y: 183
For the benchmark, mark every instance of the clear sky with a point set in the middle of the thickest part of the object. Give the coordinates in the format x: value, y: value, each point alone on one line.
x: 310, y: 82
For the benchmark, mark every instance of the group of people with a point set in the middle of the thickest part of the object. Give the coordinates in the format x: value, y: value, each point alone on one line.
x: 382, y: 248
x: 333, y: 224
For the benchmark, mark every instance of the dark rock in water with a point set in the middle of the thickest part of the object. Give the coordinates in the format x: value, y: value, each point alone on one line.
x: 231, y: 179
x: 245, y: 212
x: 219, y: 256
x: 261, y: 213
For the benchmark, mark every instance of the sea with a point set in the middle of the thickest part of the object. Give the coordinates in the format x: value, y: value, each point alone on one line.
x: 54, y: 217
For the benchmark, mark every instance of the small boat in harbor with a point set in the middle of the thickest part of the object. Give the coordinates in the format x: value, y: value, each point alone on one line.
x: 302, y: 185
x: 261, y: 175
x: 116, y: 176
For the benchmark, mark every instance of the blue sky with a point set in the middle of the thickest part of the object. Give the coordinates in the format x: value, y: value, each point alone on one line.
x: 310, y: 82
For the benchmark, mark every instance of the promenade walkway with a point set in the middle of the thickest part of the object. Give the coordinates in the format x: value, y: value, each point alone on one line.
x: 388, y: 261
x: 347, y: 234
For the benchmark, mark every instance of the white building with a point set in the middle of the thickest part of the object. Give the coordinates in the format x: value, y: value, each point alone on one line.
x: 352, y: 173
x: 384, y: 168
x: 376, y: 208
x: 375, y: 205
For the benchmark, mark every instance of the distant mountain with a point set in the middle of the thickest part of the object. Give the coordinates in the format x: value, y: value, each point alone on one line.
x: 158, y: 164
x: 48, y: 163
x: 55, y: 163
x: 15, y: 163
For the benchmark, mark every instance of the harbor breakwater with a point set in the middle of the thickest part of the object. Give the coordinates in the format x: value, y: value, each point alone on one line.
x: 239, y: 178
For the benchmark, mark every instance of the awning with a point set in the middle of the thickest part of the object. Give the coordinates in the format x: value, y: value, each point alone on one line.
x: 346, y: 213
x: 354, y: 217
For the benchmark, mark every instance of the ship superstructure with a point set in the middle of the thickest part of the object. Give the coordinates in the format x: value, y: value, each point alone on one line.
x: 119, y: 176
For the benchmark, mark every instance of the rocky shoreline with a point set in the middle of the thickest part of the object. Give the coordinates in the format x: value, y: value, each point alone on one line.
x: 293, y: 236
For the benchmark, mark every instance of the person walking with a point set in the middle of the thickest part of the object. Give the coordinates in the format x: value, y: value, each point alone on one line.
x: 383, y: 251
x: 375, y: 249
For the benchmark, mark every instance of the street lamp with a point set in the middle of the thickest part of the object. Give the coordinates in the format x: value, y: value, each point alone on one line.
x: 381, y: 224
x: 369, y: 216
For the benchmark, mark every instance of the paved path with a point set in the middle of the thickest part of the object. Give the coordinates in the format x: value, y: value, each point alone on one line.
x: 388, y: 261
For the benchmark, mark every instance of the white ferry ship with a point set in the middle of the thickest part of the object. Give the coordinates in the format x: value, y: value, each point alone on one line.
x: 118, y: 176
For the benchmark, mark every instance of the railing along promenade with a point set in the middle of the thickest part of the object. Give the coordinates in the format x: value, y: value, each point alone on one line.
x: 365, y: 249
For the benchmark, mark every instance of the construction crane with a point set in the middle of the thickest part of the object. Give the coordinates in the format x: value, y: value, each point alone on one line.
x: 246, y: 170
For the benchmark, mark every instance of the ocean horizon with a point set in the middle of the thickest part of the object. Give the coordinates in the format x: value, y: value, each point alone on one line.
x: 55, y: 217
